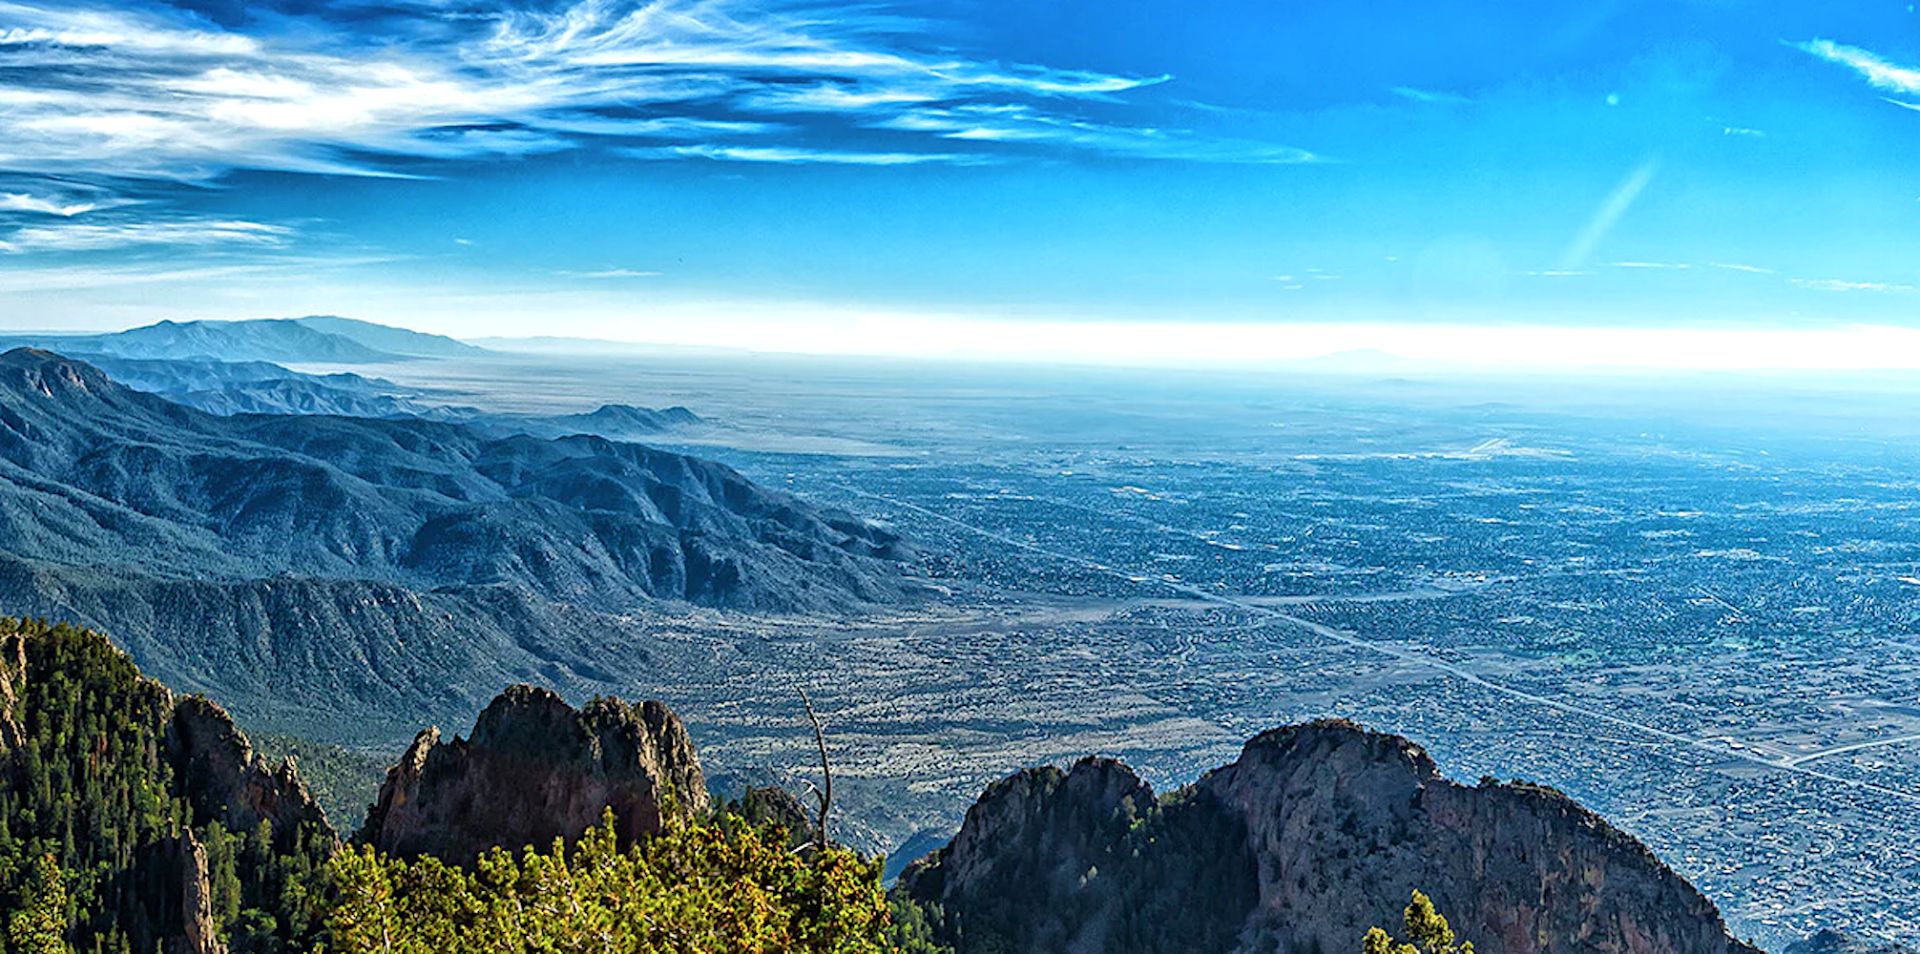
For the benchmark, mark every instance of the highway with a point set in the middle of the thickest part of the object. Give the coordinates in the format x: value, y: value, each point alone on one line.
x: 1717, y: 749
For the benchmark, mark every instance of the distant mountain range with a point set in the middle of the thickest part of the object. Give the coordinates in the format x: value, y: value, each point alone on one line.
x: 390, y: 565
x: 261, y: 387
x: 319, y: 339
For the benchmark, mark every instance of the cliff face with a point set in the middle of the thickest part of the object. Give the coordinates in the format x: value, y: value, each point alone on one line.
x: 227, y: 780
x: 198, y: 933
x: 1347, y: 823
x: 1315, y: 834
x: 535, y: 769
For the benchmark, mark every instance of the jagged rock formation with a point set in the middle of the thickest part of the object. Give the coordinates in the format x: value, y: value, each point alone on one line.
x: 535, y: 769
x: 1316, y: 833
x: 227, y: 780
x: 198, y: 932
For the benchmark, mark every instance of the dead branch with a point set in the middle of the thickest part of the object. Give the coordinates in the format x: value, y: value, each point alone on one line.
x: 825, y: 791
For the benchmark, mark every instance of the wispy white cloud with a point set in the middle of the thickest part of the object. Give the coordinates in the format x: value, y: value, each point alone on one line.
x: 1430, y: 96
x: 1840, y: 285
x: 1877, y: 70
x: 1740, y: 267
x: 63, y: 206
x: 122, y: 93
x: 22, y: 280
x: 791, y: 155
x: 81, y: 236
x: 1020, y: 123
x: 611, y: 273
x: 1745, y: 132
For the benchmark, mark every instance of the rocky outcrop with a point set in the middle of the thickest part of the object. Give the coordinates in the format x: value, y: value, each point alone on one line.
x: 198, y: 934
x: 1070, y: 822
x: 1315, y: 834
x: 13, y: 678
x: 535, y: 769
x: 227, y: 780
x: 1347, y: 823
x: 764, y: 806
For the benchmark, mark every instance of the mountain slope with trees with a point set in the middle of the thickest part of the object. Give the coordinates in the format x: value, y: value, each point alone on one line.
x: 132, y: 820
x: 396, y: 570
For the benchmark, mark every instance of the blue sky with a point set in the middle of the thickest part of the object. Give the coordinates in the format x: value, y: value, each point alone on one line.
x: 916, y: 176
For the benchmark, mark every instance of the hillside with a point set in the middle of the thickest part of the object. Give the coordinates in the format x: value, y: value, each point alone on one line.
x: 312, y: 340
x: 1315, y: 834
x: 151, y: 814
x: 269, y: 559
x: 387, y: 339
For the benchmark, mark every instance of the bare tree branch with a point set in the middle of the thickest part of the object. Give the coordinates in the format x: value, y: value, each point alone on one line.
x: 825, y: 791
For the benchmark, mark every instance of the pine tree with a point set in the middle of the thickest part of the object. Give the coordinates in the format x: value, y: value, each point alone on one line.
x: 39, y: 926
x: 1426, y: 929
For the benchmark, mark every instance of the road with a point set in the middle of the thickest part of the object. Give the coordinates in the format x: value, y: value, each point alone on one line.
x: 1717, y: 749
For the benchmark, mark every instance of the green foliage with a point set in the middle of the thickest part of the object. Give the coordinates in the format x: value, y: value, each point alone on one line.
x: 1426, y: 929
x: 916, y: 926
x: 696, y: 887
x: 97, y: 829
x: 39, y: 925
x: 93, y: 814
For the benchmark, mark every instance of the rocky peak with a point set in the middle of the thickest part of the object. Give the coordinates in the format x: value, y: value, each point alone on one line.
x: 1316, y: 833
x: 1068, y: 822
x: 1346, y: 823
x: 536, y: 769
x: 228, y: 780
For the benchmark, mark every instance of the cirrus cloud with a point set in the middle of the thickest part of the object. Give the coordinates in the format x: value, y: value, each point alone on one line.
x: 82, y: 237
x: 110, y: 97
x: 116, y: 93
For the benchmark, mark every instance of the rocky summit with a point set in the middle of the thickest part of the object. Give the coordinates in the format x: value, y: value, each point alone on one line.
x: 1315, y: 834
x: 536, y: 769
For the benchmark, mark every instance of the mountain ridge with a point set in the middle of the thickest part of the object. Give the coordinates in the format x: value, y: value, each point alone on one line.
x: 315, y: 339
x: 1316, y: 833
x: 395, y: 570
